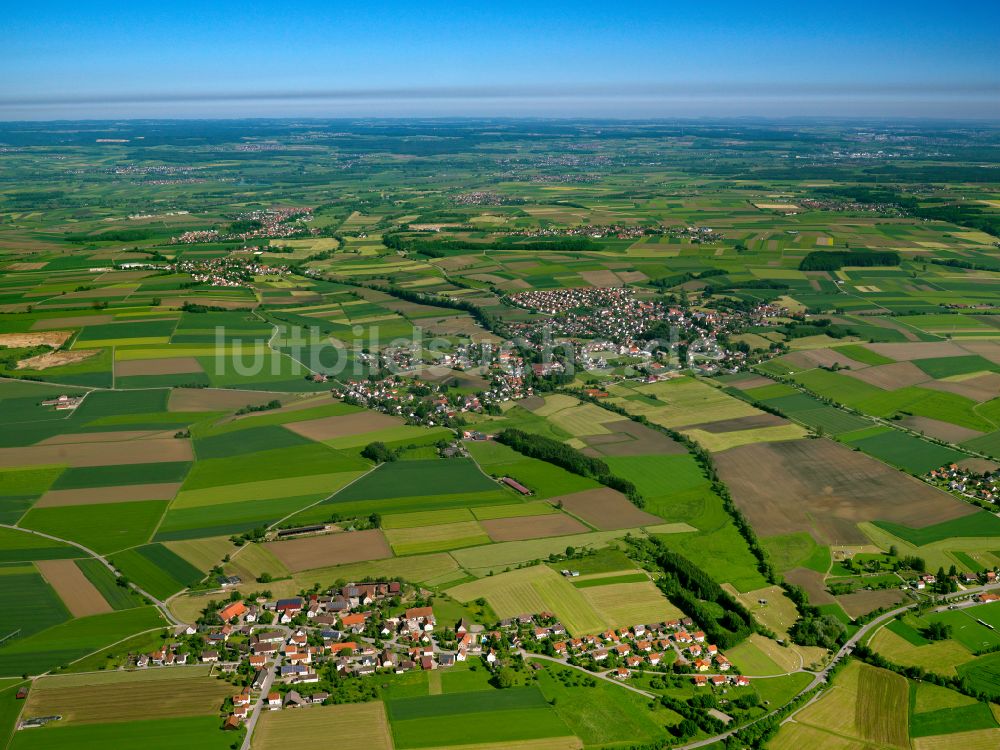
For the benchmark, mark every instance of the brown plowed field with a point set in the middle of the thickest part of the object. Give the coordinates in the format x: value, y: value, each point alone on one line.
x: 605, y: 509
x: 217, y: 399
x: 890, y: 377
x: 329, y: 428
x: 753, y: 422
x: 826, y: 489
x: 331, y: 549
x: 918, y: 350
x: 104, y: 437
x: 633, y: 439
x: 947, y: 431
x: 98, y: 454
x: 101, y: 495
x: 532, y: 527
x: 810, y: 358
x: 979, y: 388
x: 75, y: 321
x: 78, y: 594
x: 862, y: 602
x: 168, y: 366
x: 812, y: 583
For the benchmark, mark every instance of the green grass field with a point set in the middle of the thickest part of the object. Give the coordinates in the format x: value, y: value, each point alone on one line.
x: 119, y: 597
x: 156, y: 569
x: 68, y: 641
x: 104, y: 527
x: 979, y: 524
x: 27, y: 602
x: 194, y: 733
x: 467, y: 718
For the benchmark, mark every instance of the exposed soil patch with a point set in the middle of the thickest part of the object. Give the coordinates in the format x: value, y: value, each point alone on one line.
x: 917, y: 350
x: 98, y: 453
x: 328, y: 428
x: 56, y: 359
x: 168, y: 366
x: 812, y: 583
x: 947, y: 431
x: 810, y: 358
x: 101, y: 495
x: 218, y: 399
x: 331, y: 549
x: 634, y: 440
x: 752, y: 422
x: 890, y: 377
x: 54, y: 339
x: 824, y: 488
x: 79, y: 595
x: 862, y: 602
x: 532, y: 527
x: 979, y: 388
x: 605, y: 509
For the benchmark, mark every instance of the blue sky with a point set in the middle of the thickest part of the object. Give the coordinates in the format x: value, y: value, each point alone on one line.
x: 116, y: 59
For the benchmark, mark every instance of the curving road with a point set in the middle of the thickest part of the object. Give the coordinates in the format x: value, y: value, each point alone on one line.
x: 162, y: 606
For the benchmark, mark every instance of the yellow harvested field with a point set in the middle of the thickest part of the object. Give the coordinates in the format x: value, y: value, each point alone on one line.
x: 253, y: 559
x: 778, y: 613
x: 204, y: 554
x: 981, y: 739
x: 361, y: 725
x: 865, y: 703
x: 716, y: 442
x: 79, y: 595
x: 685, y: 401
x: 189, y: 694
x: 555, y: 403
x: 531, y: 590
x: 940, y: 657
x: 795, y: 736
x: 626, y: 604
x: 777, y: 206
x: 436, y: 538
x: 550, y: 743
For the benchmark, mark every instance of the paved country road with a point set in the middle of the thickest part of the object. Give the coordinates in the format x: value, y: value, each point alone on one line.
x: 821, y: 677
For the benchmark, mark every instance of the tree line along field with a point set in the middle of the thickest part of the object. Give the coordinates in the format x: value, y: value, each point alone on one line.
x: 156, y: 471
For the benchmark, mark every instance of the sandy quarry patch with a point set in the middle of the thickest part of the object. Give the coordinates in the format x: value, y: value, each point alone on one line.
x: 80, y: 596
x: 56, y: 359
x: 104, y: 495
x: 55, y: 339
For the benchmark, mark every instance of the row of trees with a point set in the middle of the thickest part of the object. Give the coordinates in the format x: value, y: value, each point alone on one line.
x: 834, y: 260
x: 566, y: 457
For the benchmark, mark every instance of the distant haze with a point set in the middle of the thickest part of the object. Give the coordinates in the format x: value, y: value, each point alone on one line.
x: 113, y: 60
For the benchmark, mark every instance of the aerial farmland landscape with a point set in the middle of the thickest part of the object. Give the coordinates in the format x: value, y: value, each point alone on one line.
x: 475, y: 417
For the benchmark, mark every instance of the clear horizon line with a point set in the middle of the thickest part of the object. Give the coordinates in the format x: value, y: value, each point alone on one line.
x: 608, y: 92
